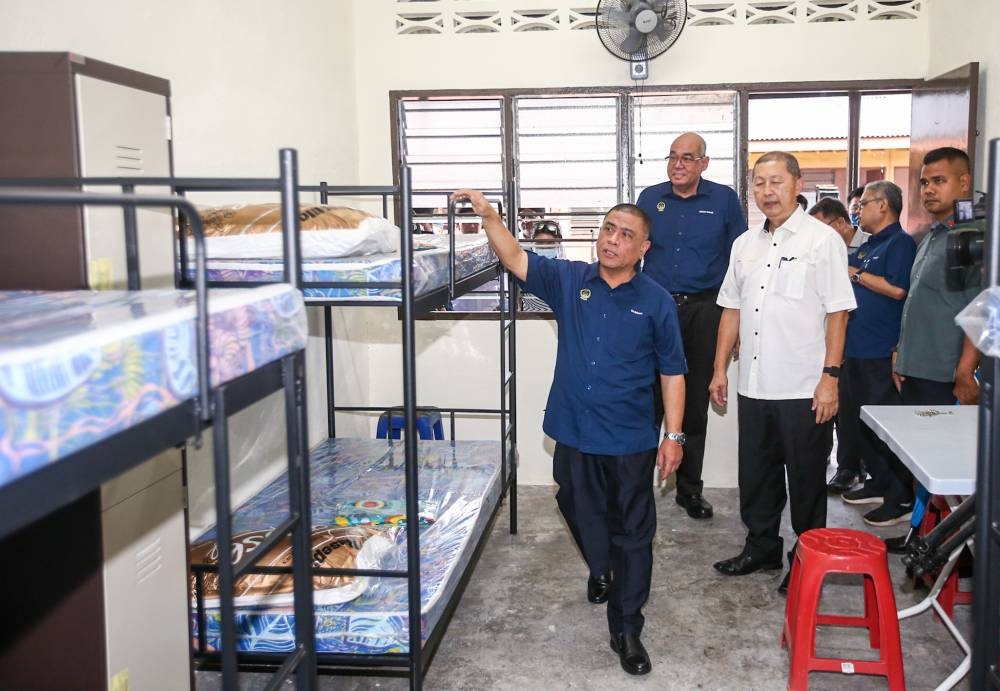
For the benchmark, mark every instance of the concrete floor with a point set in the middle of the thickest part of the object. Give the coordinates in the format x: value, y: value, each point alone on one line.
x: 524, y: 622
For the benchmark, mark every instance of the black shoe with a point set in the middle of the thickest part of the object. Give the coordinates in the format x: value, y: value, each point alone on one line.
x: 783, y: 586
x: 695, y: 505
x: 746, y: 563
x: 631, y: 652
x: 598, y: 589
x: 863, y: 495
x: 842, y: 481
x: 887, y: 515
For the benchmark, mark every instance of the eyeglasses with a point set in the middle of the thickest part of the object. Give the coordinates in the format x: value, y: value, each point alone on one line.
x: 686, y: 159
x: 862, y: 202
x: 546, y: 227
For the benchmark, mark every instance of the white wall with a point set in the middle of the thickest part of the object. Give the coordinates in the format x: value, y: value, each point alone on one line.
x: 247, y: 78
x: 703, y: 55
x: 964, y: 31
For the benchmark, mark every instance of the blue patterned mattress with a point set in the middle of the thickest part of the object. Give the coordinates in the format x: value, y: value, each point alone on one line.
x: 77, y: 367
x: 430, y: 269
x: 360, y: 483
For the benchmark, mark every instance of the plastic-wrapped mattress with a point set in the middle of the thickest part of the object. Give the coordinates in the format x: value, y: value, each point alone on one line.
x: 77, y: 367
x: 359, y: 484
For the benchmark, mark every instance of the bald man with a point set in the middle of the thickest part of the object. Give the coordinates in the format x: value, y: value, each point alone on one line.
x: 694, y: 224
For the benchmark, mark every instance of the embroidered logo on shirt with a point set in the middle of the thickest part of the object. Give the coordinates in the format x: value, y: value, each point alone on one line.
x: 635, y: 311
x: 585, y: 294
x: 706, y: 211
x: 660, y: 206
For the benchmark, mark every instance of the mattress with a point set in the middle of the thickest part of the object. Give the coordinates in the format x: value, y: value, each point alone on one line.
x: 431, y: 259
x: 77, y: 367
x: 360, y: 483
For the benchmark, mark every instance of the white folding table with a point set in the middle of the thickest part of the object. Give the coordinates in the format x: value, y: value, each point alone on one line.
x: 938, y: 445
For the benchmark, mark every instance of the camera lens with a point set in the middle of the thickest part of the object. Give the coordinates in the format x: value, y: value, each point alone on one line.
x: 965, y: 248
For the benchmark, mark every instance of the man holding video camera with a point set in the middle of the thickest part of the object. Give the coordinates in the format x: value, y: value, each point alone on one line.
x: 935, y: 363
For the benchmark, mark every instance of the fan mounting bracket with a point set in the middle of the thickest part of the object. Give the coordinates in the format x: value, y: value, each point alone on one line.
x: 638, y: 69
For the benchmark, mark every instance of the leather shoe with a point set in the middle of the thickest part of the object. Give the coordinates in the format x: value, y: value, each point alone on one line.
x: 598, y: 589
x: 842, y: 481
x: 747, y: 563
x: 631, y: 652
x: 783, y: 586
x: 695, y: 505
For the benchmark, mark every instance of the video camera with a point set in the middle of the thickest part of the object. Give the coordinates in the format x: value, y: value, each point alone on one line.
x: 965, y: 246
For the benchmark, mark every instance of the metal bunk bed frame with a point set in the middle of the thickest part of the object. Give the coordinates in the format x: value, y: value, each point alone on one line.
x: 413, y: 664
x: 49, y: 488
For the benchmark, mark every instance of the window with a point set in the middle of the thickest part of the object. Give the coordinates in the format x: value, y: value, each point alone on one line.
x: 572, y: 155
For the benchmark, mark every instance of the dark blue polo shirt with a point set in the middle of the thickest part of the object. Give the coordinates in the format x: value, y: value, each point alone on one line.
x: 873, y: 328
x: 611, y: 344
x: 692, y: 237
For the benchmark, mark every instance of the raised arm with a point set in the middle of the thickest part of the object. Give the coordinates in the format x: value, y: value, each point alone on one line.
x: 503, y: 243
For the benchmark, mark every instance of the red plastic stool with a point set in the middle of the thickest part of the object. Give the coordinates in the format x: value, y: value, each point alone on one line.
x: 950, y: 595
x: 836, y: 550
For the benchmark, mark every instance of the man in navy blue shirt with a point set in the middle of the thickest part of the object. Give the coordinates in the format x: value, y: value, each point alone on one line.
x: 694, y: 223
x: 616, y: 327
x: 880, y: 273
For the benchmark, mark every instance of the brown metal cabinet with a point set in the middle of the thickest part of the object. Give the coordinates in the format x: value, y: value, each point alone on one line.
x: 98, y: 588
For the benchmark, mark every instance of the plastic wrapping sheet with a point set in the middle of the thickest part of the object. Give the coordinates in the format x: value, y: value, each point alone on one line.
x: 77, y: 367
x: 431, y: 260
x: 980, y: 320
x: 360, y: 482
x: 253, y: 231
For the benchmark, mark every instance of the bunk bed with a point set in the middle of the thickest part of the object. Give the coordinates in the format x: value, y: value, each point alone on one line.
x: 401, y: 579
x: 92, y: 383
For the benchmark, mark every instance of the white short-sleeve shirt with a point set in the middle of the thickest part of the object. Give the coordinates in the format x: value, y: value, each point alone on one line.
x: 784, y: 284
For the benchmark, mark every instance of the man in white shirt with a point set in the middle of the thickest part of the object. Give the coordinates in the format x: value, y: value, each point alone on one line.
x: 786, y: 296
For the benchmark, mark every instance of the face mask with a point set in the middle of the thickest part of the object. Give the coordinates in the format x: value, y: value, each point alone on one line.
x: 550, y: 252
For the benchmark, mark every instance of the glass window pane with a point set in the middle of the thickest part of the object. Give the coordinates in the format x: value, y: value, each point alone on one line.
x: 813, y: 128
x: 885, y: 141
x: 658, y: 120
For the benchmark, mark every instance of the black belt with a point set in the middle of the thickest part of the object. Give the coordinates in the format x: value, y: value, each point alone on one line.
x: 704, y: 296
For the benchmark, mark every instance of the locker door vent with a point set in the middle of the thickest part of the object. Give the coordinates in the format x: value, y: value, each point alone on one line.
x: 128, y: 159
x: 148, y: 561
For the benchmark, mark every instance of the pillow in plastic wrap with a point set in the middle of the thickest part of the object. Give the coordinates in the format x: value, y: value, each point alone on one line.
x: 253, y: 231
x: 338, y: 547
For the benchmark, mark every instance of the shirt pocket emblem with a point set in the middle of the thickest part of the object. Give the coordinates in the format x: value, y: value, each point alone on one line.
x: 585, y: 294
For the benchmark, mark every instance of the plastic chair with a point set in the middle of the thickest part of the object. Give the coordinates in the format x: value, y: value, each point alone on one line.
x: 835, y: 550
x: 429, y: 425
x: 950, y: 595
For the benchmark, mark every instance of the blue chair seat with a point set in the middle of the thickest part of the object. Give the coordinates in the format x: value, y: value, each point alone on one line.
x: 429, y: 424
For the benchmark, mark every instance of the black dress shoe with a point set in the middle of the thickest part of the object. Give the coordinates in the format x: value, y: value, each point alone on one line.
x: 695, y: 505
x: 631, y: 652
x: 598, y: 589
x: 747, y: 563
x: 783, y: 586
x: 842, y: 481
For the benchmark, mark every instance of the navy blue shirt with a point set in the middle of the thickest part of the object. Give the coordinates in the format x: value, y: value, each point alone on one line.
x: 873, y: 328
x: 692, y: 237
x: 611, y: 344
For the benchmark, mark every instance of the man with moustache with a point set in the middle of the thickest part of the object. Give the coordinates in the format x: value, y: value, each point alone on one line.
x: 695, y: 222
x: 616, y: 329
x: 786, y: 296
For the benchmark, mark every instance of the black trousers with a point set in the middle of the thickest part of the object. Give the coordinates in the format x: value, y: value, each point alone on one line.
x: 699, y: 323
x: 868, y: 381
x: 775, y: 437
x: 608, y: 504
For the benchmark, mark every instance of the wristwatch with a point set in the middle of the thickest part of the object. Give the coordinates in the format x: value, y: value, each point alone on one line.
x: 832, y: 370
x: 678, y: 438
x: 856, y: 276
